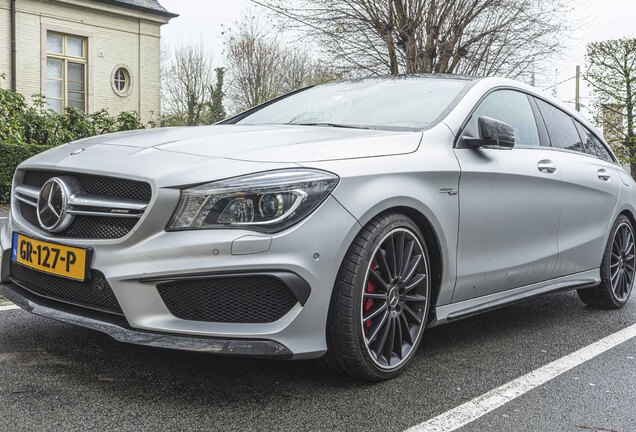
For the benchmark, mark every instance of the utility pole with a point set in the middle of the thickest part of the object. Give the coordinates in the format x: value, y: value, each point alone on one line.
x: 577, y: 96
x: 533, y: 80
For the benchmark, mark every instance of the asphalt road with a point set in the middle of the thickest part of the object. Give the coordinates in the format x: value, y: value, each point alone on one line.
x: 55, y: 377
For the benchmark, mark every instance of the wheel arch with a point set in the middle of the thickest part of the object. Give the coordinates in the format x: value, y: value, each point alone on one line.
x: 432, y: 239
x: 630, y: 215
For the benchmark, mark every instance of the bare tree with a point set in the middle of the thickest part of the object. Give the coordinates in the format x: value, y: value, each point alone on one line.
x: 479, y: 37
x: 261, y: 67
x: 254, y: 62
x: 611, y: 73
x: 191, y: 86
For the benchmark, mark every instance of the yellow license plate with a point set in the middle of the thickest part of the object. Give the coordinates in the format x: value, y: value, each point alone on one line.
x: 56, y: 259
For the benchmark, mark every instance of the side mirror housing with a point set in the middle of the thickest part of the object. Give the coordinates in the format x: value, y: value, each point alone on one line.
x: 492, y: 134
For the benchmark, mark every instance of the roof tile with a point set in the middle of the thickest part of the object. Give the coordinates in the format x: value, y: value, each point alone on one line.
x: 144, y: 5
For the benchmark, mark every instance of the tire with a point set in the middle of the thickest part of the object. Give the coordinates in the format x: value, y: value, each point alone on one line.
x: 378, y: 347
x: 617, y: 269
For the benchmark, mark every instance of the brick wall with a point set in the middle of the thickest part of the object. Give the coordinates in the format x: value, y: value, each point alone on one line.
x: 116, y: 36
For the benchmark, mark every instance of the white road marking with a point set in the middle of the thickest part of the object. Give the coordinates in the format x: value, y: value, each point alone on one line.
x: 8, y: 308
x: 482, y: 405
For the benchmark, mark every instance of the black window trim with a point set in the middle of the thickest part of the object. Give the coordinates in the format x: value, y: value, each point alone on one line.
x: 614, y: 160
x: 544, y: 136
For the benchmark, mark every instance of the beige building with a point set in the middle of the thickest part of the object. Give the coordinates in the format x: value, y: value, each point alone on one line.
x: 87, y: 54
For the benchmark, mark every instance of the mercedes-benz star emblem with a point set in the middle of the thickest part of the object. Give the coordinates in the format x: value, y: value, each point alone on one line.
x: 53, y: 204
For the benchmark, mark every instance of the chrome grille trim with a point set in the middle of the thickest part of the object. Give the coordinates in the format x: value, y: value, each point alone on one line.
x: 27, y: 194
x: 88, y: 205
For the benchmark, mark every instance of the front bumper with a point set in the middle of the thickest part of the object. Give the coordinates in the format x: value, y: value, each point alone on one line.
x: 312, y: 250
x: 252, y: 348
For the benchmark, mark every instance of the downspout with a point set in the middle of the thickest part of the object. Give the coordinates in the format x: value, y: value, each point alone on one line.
x: 14, y: 67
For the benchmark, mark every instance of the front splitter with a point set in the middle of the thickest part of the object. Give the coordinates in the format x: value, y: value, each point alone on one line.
x: 234, y: 347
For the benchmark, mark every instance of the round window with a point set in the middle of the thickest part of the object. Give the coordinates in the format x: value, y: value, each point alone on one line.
x: 122, y: 80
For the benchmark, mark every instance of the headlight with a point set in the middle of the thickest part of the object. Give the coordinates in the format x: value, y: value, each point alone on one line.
x: 269, y: 201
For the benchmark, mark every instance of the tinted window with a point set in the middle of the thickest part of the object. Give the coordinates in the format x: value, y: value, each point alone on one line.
x: 561, y: 128
x: 509, y: 107
x: 592, y: 145
x: 376, y: 103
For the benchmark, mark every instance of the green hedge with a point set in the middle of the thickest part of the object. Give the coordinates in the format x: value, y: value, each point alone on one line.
x: 11, y: 155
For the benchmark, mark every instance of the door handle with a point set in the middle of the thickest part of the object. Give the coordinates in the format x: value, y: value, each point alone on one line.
x: 603, y: 174
x: 546, y: 166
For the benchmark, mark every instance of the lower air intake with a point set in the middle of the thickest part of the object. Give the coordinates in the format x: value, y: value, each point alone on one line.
x: 94, y: 294
x: 231, y: 299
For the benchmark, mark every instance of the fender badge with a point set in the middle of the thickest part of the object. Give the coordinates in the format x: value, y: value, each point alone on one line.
x: 448, y: 190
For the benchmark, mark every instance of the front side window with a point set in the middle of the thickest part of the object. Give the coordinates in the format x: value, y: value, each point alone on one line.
x: 561, y: 128
x: 65, y: 71
x: 593, y: 146
x: 374, y: 103
x: 510, y: 107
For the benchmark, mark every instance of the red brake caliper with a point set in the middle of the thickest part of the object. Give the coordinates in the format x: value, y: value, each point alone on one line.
x: 368, y: 303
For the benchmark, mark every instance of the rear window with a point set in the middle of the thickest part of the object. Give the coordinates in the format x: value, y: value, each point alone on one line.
x: 593, y: 146
x: 561, y: 128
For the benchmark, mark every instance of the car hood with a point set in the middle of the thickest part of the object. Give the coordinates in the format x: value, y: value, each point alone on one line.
x: 270, y: 143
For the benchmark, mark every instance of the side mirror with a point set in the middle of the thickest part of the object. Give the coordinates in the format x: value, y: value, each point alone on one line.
x: 492, y: 134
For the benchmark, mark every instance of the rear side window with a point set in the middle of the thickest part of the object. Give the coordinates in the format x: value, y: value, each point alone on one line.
x: 561, y: 128
x: 592, y: 144
x: 509, y: 107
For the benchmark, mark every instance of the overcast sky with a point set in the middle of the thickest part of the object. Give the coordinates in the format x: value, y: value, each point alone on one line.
x: 605, y: 19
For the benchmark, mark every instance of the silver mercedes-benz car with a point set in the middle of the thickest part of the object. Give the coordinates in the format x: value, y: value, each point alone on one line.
x: 336, y: 222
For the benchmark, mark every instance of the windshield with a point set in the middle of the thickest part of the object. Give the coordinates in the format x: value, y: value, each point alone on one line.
x: 374, y: 103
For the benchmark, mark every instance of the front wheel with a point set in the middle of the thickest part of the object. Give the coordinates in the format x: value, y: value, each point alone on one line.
x: 381, y: 300
x: 617, y: 269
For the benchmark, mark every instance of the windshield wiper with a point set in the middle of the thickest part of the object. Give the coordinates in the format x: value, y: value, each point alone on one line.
x: 335, y: 125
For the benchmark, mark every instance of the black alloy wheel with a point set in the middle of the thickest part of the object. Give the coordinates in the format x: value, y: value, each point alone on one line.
x: 381, y: 299
x: 622, y: 261
x: 618, y: 269
x: 395, y: 298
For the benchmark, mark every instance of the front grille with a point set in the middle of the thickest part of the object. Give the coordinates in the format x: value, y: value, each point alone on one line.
x: 231, y: 299
x: 91, y: 227
x: 96, y: 185
x: 94, y: 294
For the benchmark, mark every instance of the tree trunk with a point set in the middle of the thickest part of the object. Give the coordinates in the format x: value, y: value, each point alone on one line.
x: 631, y: 135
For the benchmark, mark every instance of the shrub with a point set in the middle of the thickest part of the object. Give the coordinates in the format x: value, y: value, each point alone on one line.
x: 28, y: 129
x: 12, y: 156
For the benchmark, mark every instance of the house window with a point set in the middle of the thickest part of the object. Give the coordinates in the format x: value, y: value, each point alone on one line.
x: 121, y: 80
x: 65, y: 71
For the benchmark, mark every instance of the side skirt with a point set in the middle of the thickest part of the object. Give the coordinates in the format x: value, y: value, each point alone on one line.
x: 467, y: 308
